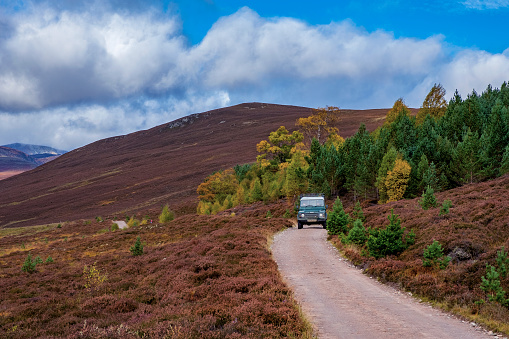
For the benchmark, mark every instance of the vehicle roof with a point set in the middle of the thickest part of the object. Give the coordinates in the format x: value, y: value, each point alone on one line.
x: 313, y: 198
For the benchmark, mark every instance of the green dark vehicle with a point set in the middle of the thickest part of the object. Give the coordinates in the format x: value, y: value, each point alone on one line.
x: 312, y: 210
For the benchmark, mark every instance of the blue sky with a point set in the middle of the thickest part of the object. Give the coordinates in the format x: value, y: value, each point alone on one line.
x: 72, y: 72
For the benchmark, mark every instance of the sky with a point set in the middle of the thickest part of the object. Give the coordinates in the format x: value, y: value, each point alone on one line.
x: 73, y: 72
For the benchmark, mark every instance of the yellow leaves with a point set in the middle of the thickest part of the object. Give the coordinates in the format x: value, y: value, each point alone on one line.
x: 320, y: 124
x: 280, y: 146
x: 396, y: 181
x: 434, y: 104
x: 335, y: 140
x: 93, y: 277
x: 398, y: 108
x: 223, y: 182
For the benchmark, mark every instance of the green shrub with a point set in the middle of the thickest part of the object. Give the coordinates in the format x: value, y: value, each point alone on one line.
x: 389, y: 241
x: 357, y: 212
x: 29, y: 264
x: 337, y: 220
x: 137, y: 249
x: 357, y: 234
x: 269, y: 215
x: 434, y: 256
x: 49, y: 259
x: 287, y: 214
x: 114, y: 227
x: 99, y: 219
x: 444, y: 209
x: 428, y: 199
x: 491, y: 285
x: 166, y: 215
x: 502, y: 262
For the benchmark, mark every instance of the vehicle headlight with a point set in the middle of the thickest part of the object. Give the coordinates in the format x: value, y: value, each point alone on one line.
x: 301, y: 215
x: 321, y: 215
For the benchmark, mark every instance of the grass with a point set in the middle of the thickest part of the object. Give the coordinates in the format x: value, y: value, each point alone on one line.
x: 199, y: 276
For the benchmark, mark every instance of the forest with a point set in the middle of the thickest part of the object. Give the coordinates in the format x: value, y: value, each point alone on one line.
x: 445, y: 145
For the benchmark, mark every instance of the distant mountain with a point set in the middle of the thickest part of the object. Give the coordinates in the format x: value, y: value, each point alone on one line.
x: 36, y: 150
x: 17, y: 158
x: 151, y: 168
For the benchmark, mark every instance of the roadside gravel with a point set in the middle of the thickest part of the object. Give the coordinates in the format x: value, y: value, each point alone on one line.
x: 341, y: 302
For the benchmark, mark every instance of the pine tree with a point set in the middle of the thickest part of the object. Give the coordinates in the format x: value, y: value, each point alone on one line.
x: 428, y: 199
x: 337, y: 219
x: 137, y: 249
x: 466, y: 157
x: 504, y: 167
x: 387, y: 165
x: 357, y: 234
x: 357, y: 212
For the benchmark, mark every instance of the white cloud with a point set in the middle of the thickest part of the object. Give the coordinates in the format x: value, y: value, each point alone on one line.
x: 72, y: 127
x: 485, y: 4
x: 89, y: 74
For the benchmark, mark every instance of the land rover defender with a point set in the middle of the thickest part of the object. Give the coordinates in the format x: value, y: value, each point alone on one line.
x: 312, y: 210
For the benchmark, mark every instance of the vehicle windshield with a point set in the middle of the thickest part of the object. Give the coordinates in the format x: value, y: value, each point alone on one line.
x: 312, y: 203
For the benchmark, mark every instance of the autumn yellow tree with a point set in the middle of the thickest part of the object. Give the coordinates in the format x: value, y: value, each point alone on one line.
x: 296, y: 181
x: 216, y: 189
x: 398, y: 108
x: 320, y: 124
x: 279, y: 148
x: 434, y: 104
x: 397, y: 180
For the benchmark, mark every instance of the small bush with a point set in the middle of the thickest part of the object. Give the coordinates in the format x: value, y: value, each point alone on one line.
x: 269, y: 215
x: 502, y: 262
x: 59, y: 226
x: 287, y: 214
x: 357, y: 212
x: 137, y: 249
x: 114, y: 227
x: 428, y: 199
x: 491, y: 285
x: 99, y: 219
x: 434, y: 256
x: 49, y: 260
x: 390, y: 240
x: 166, y: 215
x: 133, y: 222
x: 444, y: 209
x: 357, y: 234
x: 29, y: 264
x: 337, y: 219
x: 93, y: 277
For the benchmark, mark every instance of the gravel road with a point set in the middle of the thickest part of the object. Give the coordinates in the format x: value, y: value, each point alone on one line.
x: 341, y: 302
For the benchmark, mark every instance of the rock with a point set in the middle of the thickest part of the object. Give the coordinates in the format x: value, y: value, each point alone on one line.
x: 460, y: 254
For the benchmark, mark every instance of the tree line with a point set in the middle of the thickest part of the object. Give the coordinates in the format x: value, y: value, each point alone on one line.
x: 444, y: 146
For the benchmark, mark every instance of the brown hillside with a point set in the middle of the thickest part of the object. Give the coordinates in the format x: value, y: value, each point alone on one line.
x: 148, y: 168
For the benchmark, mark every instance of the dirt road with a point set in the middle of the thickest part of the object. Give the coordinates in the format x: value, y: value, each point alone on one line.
x: 341, y: 302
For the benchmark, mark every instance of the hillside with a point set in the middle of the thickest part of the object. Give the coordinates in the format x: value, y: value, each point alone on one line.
x: 148, y: 168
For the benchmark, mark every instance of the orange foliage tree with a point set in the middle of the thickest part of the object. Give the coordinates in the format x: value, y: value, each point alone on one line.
x: 321, y: 124
x: 218, y: 186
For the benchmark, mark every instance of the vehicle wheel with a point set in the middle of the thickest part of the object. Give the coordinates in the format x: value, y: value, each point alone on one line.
x: 324, y: 224
x: 299, y: 225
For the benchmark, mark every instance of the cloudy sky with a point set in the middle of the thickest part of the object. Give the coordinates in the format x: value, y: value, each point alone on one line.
x: 72, y: 72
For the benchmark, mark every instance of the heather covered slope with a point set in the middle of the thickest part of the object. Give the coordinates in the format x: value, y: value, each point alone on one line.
x: 149, y: 168
x: 476, y: 227
x: 198, y: 277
